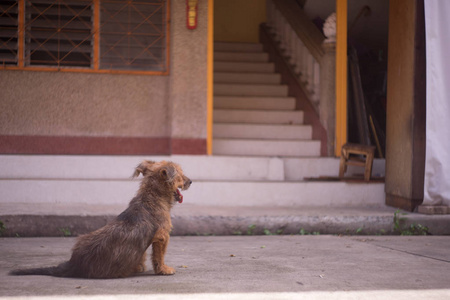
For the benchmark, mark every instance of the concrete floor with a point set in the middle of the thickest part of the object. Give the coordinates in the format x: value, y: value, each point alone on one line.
x: 250, y: 267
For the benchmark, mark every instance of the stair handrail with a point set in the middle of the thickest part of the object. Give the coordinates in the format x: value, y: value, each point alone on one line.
x: 310, y: 35
x: 311, y: 56
x: 301, y: 41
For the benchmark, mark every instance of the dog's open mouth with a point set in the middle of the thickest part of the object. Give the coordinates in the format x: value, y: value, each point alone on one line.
x: 178, y: 196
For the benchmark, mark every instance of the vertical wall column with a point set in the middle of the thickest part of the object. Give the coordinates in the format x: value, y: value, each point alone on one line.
x: 188, y: 91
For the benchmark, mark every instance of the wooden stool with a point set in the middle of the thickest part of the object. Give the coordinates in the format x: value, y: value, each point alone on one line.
x: 357, y: 149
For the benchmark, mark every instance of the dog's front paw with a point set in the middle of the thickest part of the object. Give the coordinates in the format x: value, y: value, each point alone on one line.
x: 166, y: 270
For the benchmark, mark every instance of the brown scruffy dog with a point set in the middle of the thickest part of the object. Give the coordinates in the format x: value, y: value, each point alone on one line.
x: 118, y: 249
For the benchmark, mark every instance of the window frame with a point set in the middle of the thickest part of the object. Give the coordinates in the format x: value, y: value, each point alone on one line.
x: 95, y: 64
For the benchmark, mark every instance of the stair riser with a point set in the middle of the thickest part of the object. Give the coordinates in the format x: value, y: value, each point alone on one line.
x: 250, y: 90
x: 266, y: 148
x: 241, y: 57
x: 250, y: 78
x: 244, y: 67
x: 258, y: 117
x: 238, y: 131
x: 237, y: 47
x: 296, y: 194
x: 254, y: 103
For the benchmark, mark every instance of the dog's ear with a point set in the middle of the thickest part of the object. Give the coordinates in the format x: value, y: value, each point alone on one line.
x: 143, y: 168
x: 168, y: 172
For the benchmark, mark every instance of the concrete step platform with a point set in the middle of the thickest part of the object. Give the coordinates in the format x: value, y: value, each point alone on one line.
x: 254, y: 103
x: 29, y: 168
x: 240, y: 56
x: 257, y: 116
x: 71, y: 220
x: 253, y: 78
x: 252, y: 90
x: 237, y: 47
x: 250, y: 147
x: 262, y: 131
x: 245, y: 67
x: 220, y: 193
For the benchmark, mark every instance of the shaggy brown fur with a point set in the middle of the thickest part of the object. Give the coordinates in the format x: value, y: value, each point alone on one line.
x: 118, y: 249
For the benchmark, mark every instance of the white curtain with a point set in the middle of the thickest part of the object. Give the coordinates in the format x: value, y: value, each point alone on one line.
x: 437, y: 160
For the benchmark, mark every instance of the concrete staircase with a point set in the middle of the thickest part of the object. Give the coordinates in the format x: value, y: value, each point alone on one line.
x: 43, y: 194
x: 253, y: 114
x: 218, y: 181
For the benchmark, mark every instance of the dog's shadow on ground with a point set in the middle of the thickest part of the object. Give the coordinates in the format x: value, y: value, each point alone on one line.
x: 148, y: 274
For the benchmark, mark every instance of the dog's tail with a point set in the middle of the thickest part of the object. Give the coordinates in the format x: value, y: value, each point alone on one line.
x: 61, y: 270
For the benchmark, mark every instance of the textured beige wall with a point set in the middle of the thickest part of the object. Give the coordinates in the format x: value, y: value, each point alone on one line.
x: 238, y: 20
x: 188, y: 73
x: 80, y: 104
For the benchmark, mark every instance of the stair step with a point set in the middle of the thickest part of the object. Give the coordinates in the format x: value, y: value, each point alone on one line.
x: 238, y: 47
x: 247, y: 147
x: 254, y: 103
x: 288, y: 194
x: 95, y: 168
x: 224, y: 89
x: 265, y: 132
x: 241, y: 57
x: 245, y: 67
x: 28, y: 168
x: 300, y: 168
x: 257, y: 116
x: 253, y: 78
x: 219, y: 194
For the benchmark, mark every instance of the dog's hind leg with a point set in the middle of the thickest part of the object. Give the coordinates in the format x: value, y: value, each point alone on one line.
x: 141, y: 266
x: 159, y: 245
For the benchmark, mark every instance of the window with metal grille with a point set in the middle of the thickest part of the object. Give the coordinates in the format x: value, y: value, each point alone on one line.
x: 58, y: 33
x: 132, y: 35
x: 9, y: 28
x: 90, y: 35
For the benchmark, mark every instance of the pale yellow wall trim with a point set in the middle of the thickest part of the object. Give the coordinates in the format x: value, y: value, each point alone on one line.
x: 210, y: 103
x: 341, y: 75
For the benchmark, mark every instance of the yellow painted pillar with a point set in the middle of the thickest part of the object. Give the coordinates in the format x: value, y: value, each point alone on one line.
x: 210, y: 90
x: 341, y: 75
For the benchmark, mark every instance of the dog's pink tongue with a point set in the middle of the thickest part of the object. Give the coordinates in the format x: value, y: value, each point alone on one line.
x: 180, y: 196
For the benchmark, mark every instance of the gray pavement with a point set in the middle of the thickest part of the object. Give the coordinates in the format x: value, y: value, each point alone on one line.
x: 250, y: 267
